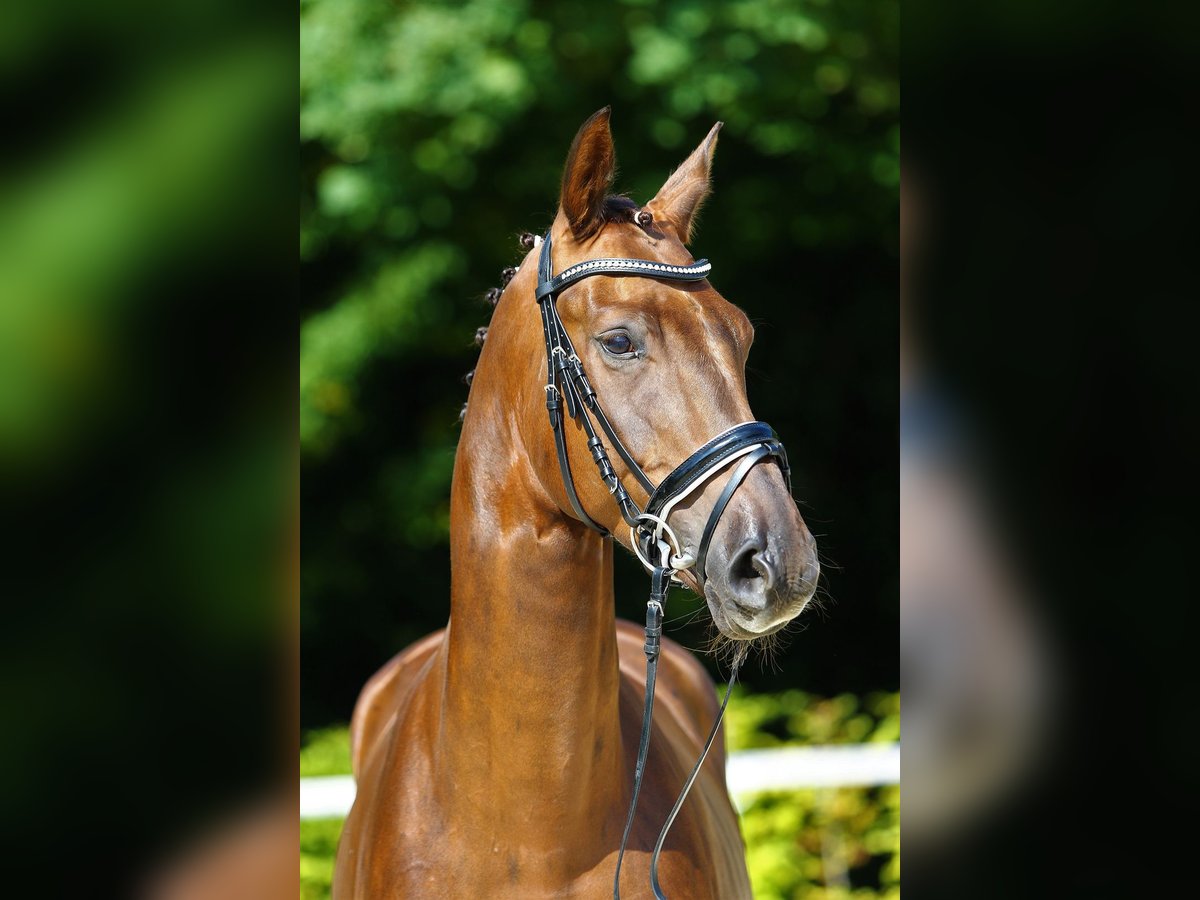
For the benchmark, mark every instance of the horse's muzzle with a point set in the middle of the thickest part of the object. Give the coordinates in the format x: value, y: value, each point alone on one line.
x: 763, y: 570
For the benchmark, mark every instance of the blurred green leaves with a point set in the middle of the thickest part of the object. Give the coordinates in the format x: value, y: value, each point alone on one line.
x: 828, y: 844
x: 380, y: 317
x: 81, y: 231
x: 146, y: 432
x: 326, y: 751
x: 772, y: 720
x: 402, y: 106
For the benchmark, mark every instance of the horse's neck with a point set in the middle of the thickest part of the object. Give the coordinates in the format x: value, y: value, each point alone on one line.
x: 530, y: 711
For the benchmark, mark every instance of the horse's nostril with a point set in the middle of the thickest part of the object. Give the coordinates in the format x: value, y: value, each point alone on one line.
x: 752, y: 577
x: 765, y: 567
x: 745, y: 565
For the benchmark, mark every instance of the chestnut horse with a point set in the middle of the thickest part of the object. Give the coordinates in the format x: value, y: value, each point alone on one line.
x: 496, y: 758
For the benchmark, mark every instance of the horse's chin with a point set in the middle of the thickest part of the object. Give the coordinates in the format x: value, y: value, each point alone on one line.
x: 737, y: 627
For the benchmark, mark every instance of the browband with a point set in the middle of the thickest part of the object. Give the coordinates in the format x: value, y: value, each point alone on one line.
x: 697, y: 271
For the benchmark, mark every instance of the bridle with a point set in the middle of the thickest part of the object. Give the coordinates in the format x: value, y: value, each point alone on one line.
x: 650, y: 532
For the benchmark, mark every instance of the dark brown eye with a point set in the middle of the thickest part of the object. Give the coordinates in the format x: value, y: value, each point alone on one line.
x: 617, y: 343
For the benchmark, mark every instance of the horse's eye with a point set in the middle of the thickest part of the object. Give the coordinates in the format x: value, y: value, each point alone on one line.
x: 617, y: 343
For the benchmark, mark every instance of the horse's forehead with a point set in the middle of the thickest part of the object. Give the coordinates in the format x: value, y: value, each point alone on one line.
x: 630, y: 241
x: 686, y: 309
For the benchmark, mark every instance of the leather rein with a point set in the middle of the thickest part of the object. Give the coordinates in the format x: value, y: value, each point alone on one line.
x: 656, y: 545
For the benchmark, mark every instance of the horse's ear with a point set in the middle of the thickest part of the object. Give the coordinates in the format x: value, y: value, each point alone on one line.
x: 588, y: 175
x: 680, y: 198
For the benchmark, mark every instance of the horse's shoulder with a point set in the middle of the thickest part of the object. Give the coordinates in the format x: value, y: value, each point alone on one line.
x: 383, y: 693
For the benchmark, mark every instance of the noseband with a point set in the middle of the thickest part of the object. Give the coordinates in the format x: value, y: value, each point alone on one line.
x: 650, y: 534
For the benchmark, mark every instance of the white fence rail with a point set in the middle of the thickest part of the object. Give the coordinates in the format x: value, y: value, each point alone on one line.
x: 747, y: 771
x: 327, y: 797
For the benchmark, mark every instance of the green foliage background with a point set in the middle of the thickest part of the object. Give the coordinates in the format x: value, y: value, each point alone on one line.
x: 431, y: 134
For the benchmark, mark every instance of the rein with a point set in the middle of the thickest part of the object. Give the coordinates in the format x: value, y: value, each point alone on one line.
x: 653, y: 540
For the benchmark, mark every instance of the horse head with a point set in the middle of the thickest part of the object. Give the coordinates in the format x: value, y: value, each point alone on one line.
x: 666, y: 360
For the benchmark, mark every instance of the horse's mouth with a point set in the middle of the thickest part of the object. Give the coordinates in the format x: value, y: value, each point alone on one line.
x: 729, y: 626
x: 723, y: 620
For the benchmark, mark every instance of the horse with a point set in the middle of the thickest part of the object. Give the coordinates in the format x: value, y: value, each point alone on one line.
x: 496, y: 757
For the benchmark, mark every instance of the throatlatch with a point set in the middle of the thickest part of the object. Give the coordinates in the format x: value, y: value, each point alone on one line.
x: 650, y: 533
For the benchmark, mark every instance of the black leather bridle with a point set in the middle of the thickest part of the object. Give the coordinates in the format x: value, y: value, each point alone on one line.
x: 651, y: 535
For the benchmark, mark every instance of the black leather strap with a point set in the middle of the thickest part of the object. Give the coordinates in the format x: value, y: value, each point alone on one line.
x: 574, y: 367
x: 567, y: 385
x: 646, y: 268
x: 558, y: 392
x: 660, y: 584
x: 589, y: 398
x: 687, y: 786
x: 735, y: 481
x: 564, y: 467
x: 708, y: 457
